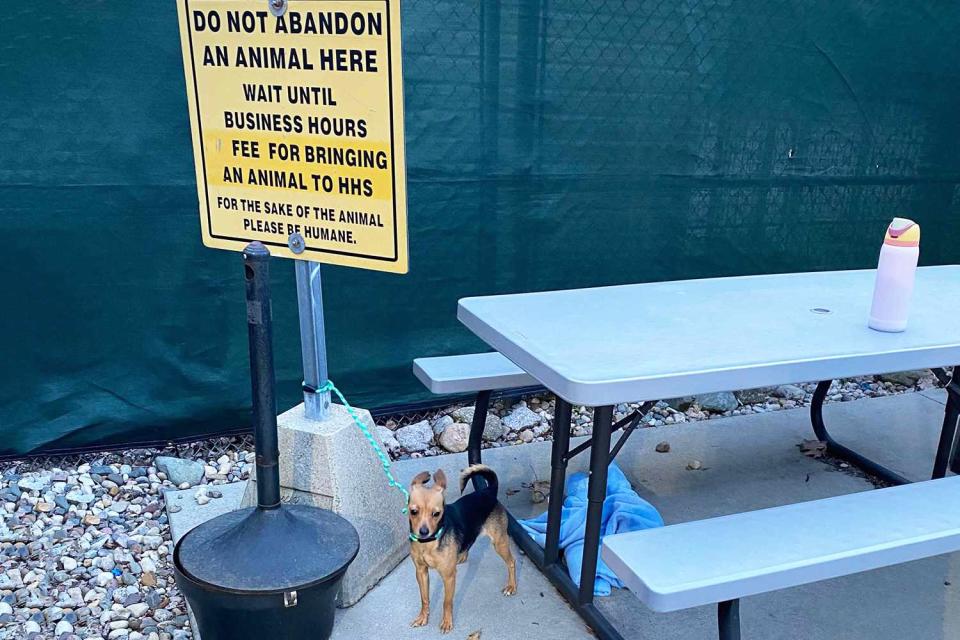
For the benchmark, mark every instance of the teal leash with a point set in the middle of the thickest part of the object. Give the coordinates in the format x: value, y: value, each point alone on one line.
x: 384, y: 460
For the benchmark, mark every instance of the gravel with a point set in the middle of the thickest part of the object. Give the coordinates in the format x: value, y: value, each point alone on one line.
x: 85, y: 550
x: 530, y: 419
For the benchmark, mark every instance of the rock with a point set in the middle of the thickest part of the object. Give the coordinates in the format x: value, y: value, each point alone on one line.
x: 154, y: 542
x: 903, y: 378
x: 91, y: 520
x: 455, y: 437
x: 63, y: 627
x: 442, y: 423
x: 139, y: 609
x: 680, y: 404
x: 45, y: 507
x: 493, y: 428
x: 202, y: 499
x: 68, y: 563
x: 179, y: 470
x: 53, y: 614
x: 717, y: 402
x: 520, y: 418
x: 162, y: 615
x: 694, y: 465
x: 32, y: 484
x: 663, y: 447
x: 754, y: 396
x: 148, y: 579
x: 387, y: 439
x: 415, y: 437
x: 526, y: 435
x: 80, y: 498
x: 789, y: 391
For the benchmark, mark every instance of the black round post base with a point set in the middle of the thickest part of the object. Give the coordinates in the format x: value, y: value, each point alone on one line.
x: 265, y: 573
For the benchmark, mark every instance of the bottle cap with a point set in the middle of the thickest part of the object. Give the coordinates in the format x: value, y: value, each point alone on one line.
x: 903, y: 233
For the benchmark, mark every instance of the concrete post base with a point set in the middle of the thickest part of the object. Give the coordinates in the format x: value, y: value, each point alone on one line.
x: 331, y: 465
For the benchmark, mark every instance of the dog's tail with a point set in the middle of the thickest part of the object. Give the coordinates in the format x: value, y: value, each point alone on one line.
x: 484, y: 472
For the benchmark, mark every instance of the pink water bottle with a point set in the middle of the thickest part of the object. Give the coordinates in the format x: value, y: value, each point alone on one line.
x: 895, y: 275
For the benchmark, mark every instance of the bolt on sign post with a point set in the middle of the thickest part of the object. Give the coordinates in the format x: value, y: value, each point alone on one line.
x: 296, y: 109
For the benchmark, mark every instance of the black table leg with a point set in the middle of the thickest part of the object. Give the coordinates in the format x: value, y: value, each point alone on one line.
x: 837, y: 450
x: 558, y: 479
x: 946, y: 449
x: 547, y: 558
x: 948, y: 434
x: 596, y: 494
x: 728, y: 620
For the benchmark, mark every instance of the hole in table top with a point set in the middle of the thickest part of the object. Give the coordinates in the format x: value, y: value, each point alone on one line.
x: 820, y: 310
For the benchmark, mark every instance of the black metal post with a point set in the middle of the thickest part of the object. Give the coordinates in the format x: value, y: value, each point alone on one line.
x: 728, y: 619
x: 596, y: 494
x: 256, y: 268
x: 558, y: 477
x: 948, y: 435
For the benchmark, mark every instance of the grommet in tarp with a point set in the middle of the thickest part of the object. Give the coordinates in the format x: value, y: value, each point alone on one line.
x: 277, y: 7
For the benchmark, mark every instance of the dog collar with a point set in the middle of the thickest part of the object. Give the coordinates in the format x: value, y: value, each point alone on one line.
x: 435, y: 536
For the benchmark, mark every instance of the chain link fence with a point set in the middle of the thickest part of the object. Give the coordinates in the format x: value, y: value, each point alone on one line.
x: 550, y: 144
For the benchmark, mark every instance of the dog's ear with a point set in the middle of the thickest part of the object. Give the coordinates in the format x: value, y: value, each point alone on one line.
x: 421, y: 478
x: 439, y: 480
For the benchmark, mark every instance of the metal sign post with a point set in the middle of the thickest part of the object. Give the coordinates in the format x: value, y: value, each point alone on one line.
x: 313, y: 340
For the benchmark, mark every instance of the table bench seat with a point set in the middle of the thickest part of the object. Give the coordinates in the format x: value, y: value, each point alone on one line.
x: 470, y: 373
x: 730, y: 557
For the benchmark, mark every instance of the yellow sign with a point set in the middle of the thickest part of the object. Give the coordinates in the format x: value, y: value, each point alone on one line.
x: 297, y: 116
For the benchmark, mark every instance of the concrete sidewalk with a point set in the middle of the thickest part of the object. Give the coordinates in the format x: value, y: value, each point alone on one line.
x: 749, y: 462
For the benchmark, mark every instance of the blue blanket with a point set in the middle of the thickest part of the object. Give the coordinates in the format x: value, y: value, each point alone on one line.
x: 623, y: 510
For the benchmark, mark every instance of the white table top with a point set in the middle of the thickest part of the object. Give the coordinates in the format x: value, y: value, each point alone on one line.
x: 626, y: 343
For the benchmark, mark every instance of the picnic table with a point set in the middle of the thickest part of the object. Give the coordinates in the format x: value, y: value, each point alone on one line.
x: 603, y: 346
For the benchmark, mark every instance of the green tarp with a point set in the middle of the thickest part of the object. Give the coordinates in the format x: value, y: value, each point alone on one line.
x: 549, y: 144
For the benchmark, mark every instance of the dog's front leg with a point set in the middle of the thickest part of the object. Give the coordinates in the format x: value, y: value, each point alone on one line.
x: 449, y: 586
x: 423, y: 581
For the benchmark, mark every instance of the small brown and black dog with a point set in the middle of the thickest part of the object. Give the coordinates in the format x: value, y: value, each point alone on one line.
x: 441, y: 535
